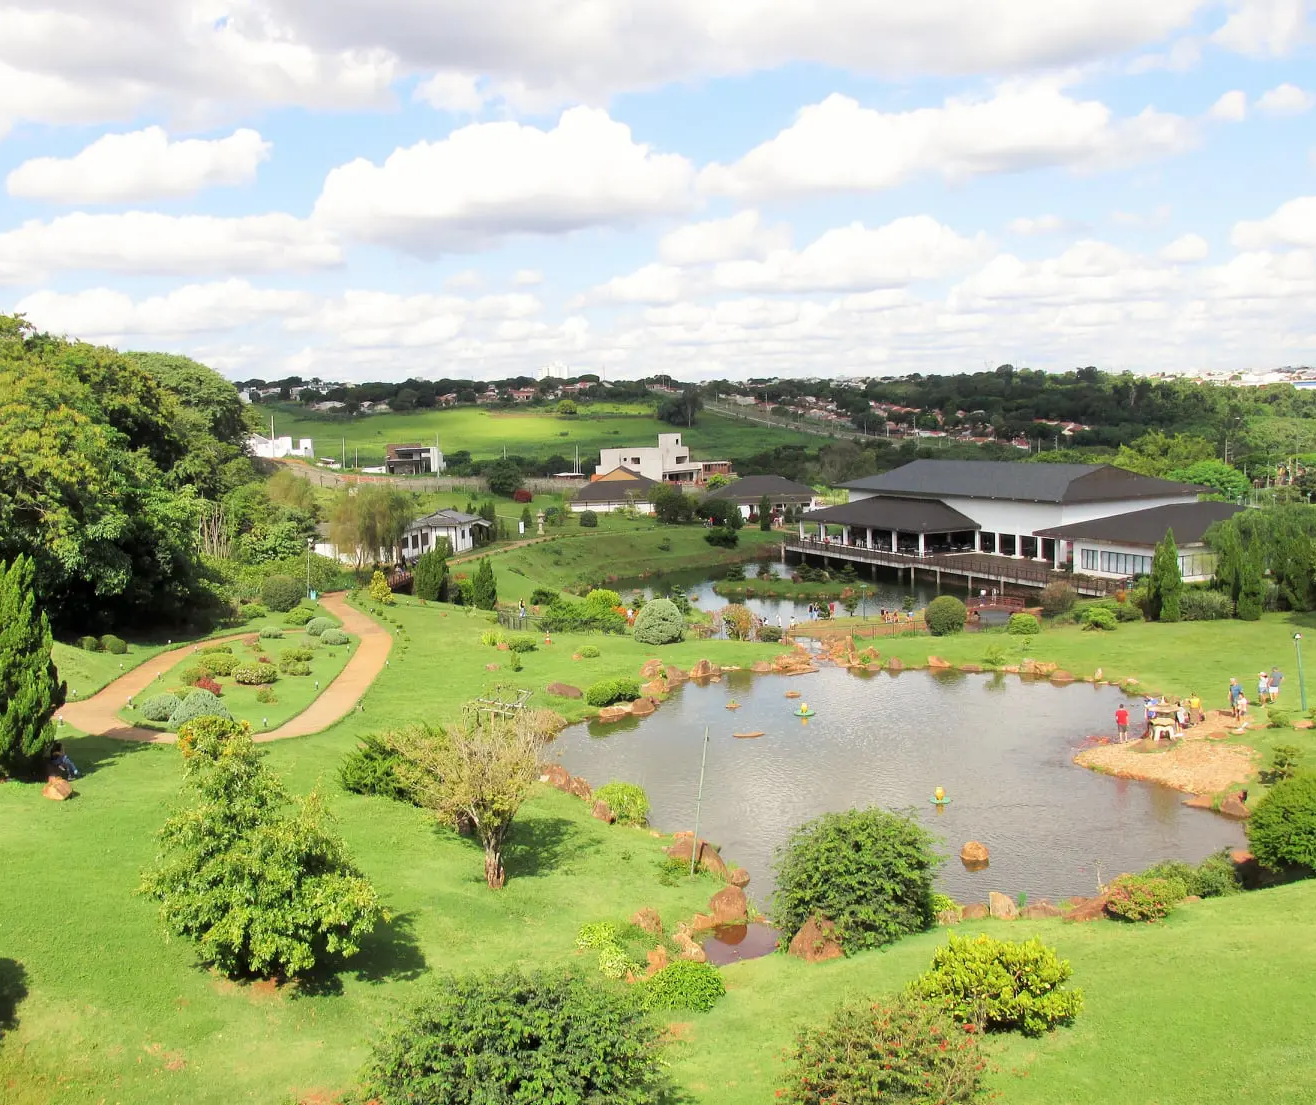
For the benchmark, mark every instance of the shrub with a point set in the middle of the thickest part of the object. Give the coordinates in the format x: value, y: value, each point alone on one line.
x: 116, y: 645
x: 514, y: 1039
x: 615, y: 963
x: 255, y: 675
x: 380, y: 591
x: 607, y: 691
x: 735, y: 572
x: 521, y: 495
x: 1000, y: 984
x: 1278, y: 718
x: 197, y: 704
x: 265, y: 695
x: 1215, y: 877
x: 371, y: 768
x: 316, y: 626
x: 89, y: 644
x: 685, y: 985
x: 597, y: 934
x: 994, y: 655
x: 1058, y: 597
x: 1197, y: 605
x: 588, y: 652
x: 627, y: 800
x: 1284, y: 762
x: 210, y: 732
x: 188, y: 676
x: 491, y: 638
x: 659, y: 622
x: 945, y: 615
x: 159, y: 707
x: 218, y: 663
x: 542, y: 596
x: 770, y: 634
x: 281, y: 593
x: 216, y: 650
x: 205, y: 683
x: 294, y: 667
x: 1022, y: 625
x: 890, y: 1050
x: 665, y: 545
x: 271, y: 633
x: 601, y: 598
x: 564, y: 616
x: 1098, y: 617
x: 290, y: 654
x: 298, y: 615
x: 254, y: 611
x: 523, y: 642
x: 1137, y: 898
x: 722, y: 537
x: 588, y: 519
x: 868, y: 870
x: 334, y: 637
x: 1282, y: 829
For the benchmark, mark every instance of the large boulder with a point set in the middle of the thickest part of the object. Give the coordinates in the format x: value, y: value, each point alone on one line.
x: 648, y: 920
x: 654, y: 688
x: 974, y: 911
x: 555, y: 775
x: 1038, y: 911
x: 1086, y: 909
x: 1001, y: 906
x: 563, y: 690
x: 1061, y: 676
x: 948, y: 917
x: 705, y: 669
x: 738, y: 876
x: 603, y: 812
x: 652, y: 669
x: 614, y: 713
x: 974, y: 853
x: 709, y: 860
x: 689, y: 947
x: 57, y: 789
x: 1200, y: 802
x: 675, y: 676
x: 728, y: 906
x: 936, y: 663
x: 1233, y: 807
x: 580, y: 788
x: 816, y: 941
x: 642, y: 707
x: 657, y: 960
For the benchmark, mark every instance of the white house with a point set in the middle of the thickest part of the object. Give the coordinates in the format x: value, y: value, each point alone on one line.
x: 413, y: 460
x: 422, y: 535
x: 272, y: 448
x: 748, y: 491
x: 670, y: 460
x: 615, y: 490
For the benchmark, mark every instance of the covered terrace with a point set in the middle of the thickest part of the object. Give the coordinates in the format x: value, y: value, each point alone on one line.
x: 912, y: 527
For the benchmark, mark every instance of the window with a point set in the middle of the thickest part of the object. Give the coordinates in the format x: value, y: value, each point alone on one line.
x: 1089, y: 560
x: 1125, y: 564
x: 1196, y: 565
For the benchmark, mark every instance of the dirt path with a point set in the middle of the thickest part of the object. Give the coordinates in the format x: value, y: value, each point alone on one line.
x: 99, y: 714
x: 1194, y: 764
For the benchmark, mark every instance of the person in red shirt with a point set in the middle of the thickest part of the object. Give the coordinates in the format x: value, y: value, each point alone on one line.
x: 1122, y: 722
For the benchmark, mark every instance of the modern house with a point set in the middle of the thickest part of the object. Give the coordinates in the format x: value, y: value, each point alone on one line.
x: 274, y: 448
x: 422, y: 535
x: 413, y: 460
x: 1122, y: 545
x: 669, y: 461
x: 617, y: 489
x: 748, y: 491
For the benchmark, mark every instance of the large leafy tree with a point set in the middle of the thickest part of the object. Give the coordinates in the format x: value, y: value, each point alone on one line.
x: 370, y: 520
x: 30, y: 688
x: 1166, y: 581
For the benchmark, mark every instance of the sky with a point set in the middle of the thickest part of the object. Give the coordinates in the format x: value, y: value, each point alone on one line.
x: 482, y: 188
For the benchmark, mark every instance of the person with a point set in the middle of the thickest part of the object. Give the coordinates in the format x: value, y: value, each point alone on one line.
x: 831, y: 609
x: 778, y: 621
x: 792, y: 621
x: 523, y: 608
x: 1235, y: 689
x: 1276, y: 678
x: 1195, y: 709
x: 1149, y: 707
x: 1181, y: 715
x: 60, y: 764
x: 1240, y: 708
x: 1263, y: 687
x: 1122, y: 722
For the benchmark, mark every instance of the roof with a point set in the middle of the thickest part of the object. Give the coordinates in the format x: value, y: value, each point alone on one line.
x: 447, y: 519
x: 908, y: 515
x: 1020, y: 482
x: 391, y: 451
x: 750, y: 489
x: 1189, y: 521
x: 614, y: 491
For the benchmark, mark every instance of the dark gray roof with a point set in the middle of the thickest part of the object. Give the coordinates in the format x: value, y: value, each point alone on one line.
x: 441, y: 518
x: 1189, y: 521
x: 750, y: 489
x: 1019, y: 481
x: 613, y: 491
x: 881, y: 512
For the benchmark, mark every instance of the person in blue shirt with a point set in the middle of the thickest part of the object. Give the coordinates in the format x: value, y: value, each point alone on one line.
x: 1276, y: 678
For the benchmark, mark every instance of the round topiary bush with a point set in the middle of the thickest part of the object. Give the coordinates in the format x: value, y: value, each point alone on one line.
x: 627, y: 800
x: 219, y: 663
x: 317, y: 626
x: 607, y: 691
x: 159, y: 707
x: 945, y: 615
x: 117, y: 645
x: 89, y: 644
x: 1058, y: 597
x: 685, y: 985
x: 869, y: 871
x: 588, y: 519
x: 197, y: 704
x: 1139, y: 898
x: 298, y: 615
x: 334, y: 637
x: 255, y: 675
x: 1282, y: 829
x: 659, y: 622
x: 271, y: 633
x: 508, y: 1038
x: 281, y: 593
x: 588, y: 652
x: 1023, y: 625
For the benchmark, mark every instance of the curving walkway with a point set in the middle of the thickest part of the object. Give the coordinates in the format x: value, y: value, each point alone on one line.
x: 99, y: 716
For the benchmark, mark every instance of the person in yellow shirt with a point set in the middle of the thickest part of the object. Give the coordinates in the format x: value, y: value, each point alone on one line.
x: 1195, y: 715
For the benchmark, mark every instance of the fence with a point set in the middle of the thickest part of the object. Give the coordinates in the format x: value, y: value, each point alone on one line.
x: 328, y: 477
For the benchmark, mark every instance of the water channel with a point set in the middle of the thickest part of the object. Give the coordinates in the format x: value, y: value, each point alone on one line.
x: 1000, y: 746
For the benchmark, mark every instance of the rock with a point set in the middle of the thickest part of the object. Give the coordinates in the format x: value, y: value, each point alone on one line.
x: 974, y: 912
x: 973, y: 852
x: 675, y: 676
x: 702, y: 922
x: 1086, y: 909
x: 1217, y: 736
x: 895, y: 664
x: 1061, y: 676
x: 936, y: 663
x: 709, y: 860
x: 614, y: 713
x: 563, y: 690
x: 971, y: 668
x: 654, y: 688
x: 648, y: 920
x: 1192, y: 898
x: 1044, y: 668
x: 657, y: 960
x: 57, y: 789
x: 1199, y: 802
x: 1233, y: 807
x: 1039, y: 911
x: 1240, y: 856
x: 1304, y: 723
x: 580, y: 788
x: 652, y: 669
x: 761, y: 666
x: 690, y: 948
x: 603, y: 812
x: 555, y: 775
x: 1013, y: 669
x: 729, y: 907
x: 739, y: 877
x: 642, y: 707
x: 816, y: 941
x: 1001, y: 907
x: 948, y: 917
x: 705, y: 669
x: 490, y: 667
x: 503, y: 646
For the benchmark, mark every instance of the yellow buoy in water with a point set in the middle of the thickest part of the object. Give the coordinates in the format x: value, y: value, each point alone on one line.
x: 939, y: 794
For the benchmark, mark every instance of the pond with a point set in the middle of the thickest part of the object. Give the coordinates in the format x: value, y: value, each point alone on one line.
x: 1000, y: 746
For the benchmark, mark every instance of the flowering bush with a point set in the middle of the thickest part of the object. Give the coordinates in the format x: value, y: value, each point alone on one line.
x: 254, y: 675
x: 205, y: 683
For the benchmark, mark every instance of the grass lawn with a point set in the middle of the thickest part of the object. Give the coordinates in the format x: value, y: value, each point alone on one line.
x: 292, y: 693
x: 531, y: 433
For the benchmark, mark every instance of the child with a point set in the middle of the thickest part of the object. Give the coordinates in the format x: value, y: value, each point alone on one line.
x: 60, y: 764
x: 1122, y: 722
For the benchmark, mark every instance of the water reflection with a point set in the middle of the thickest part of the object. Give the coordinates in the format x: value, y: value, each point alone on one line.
x: 1000, y: 746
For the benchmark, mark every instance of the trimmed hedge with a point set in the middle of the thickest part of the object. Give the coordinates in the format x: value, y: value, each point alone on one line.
x: 89, y: 644
x: 117, y: 645
x: 316, y: 626
x: 334, y: 637
x: 281, y: 593
x: 945, y: 615
x: 271, y: 633
x: 1023, y: 625
x: 607, y: 691
x: 298, y: 615
x: 219, y: 663
x: 659, y: 622
x: 523, y: 642
x: 216, y: 650
x: 198, y: 703
x: 160, y: 707
x: 255, y: 675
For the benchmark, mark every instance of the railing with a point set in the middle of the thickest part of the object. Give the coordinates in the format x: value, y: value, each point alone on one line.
x: 511, y: 619
x: 399, y: 579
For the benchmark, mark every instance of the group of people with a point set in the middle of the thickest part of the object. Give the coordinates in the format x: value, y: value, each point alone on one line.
x: 1181, y: 713
x: 1268, y: 686
x: 822, y: 610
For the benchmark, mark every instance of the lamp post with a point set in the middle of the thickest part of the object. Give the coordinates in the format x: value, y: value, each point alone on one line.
x: 310, y: 544
x: 1302, y: 686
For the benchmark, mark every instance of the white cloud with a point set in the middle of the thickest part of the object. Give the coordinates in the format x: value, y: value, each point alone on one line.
x: 462, y: 281
x: 1292, y: 224
x: 743, y: 236
x: 1157, y: 216
x: 527, y: 278
x: 148, y: 242
x: 651, y: 284
x: 488, y: 180
x: 1186, y: 248
x: 1264, y: 28
x: 1263, y: 276
x: 1231, y: 107
x: 838, y: 145
x: 1042, y: 225
x: 1286, y: 99
x: 454, y: 91
x: 139, y: 166
x: 1089, y: 271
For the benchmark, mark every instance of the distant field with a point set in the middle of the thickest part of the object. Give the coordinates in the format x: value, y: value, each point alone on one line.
x: 538, y: 433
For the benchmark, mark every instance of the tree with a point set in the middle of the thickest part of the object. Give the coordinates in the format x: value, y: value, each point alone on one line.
x: 429, y: 579
x: 1224, y: 479
x: 504, y: 477
x: 716, y: 480
x: 479, y: 774
x: 370, y: 520
x: 765, y: 514
x: 1282, y: 829
x: 659, y: 622
x: 261, y: 890
x: 671, y: 504
x: 485, y: 586
x: 680, y: 410
x: 1251, y: 583
x: 1166, y: 585
x: 723, y: 512
x: 737, y: 620
x: 566, y: 408
x: 30, y: 688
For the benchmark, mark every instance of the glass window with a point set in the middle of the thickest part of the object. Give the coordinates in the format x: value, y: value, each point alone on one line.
x: 1089, y: 560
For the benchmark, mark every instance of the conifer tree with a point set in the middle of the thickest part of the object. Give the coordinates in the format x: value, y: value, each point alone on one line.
x: 1166, y: 581
x: 30, y: 689
x: 484, y: 586
x: 1251, y: 583
x: 765, y: 514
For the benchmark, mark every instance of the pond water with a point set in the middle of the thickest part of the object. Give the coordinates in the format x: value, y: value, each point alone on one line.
x: 1000, y: 746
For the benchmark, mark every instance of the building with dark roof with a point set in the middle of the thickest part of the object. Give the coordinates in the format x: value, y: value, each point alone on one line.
x: 424, y: 533
x: 413, y: 460
x: 748, y: 491
x: 617, y: 489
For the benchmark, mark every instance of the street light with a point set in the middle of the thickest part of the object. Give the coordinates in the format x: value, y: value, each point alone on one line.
x: 1302, y: 686
x: 310, y: 544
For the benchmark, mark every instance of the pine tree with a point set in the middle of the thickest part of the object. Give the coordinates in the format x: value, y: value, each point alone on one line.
x: 1251, y: 583
x: 765, y: 514
x: 1166, y: 581
x: 429, y: 579
x: 484, y: 586
x: 30, y: 689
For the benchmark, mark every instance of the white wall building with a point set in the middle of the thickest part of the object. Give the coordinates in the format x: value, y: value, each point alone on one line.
x: 619, y: 489
x: 670, y: 460
x: 273, y: 448
x: 423, y: 534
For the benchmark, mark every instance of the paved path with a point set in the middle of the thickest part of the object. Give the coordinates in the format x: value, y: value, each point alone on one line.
x: 100, y: 714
